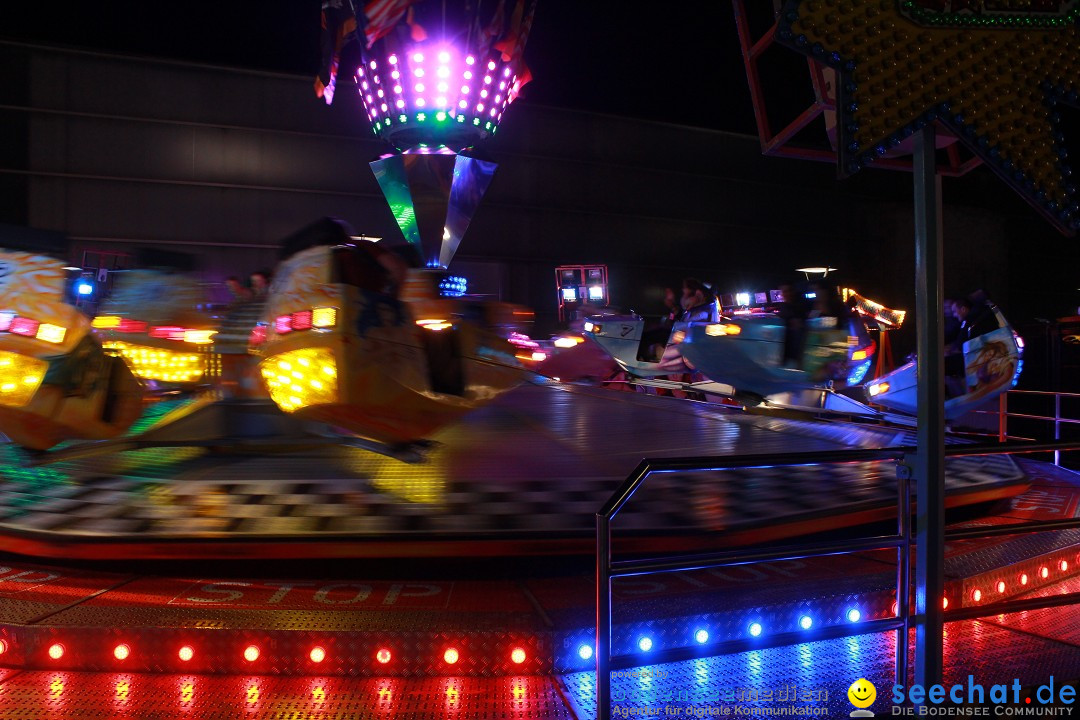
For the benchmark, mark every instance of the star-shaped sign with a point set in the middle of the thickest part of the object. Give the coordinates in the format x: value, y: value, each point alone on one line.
x: 992, y: 71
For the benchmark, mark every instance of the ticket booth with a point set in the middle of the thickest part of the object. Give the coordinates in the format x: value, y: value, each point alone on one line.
x: 579, y: 285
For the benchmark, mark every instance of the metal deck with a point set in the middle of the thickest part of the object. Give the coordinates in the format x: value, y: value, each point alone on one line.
x: 524, y: 475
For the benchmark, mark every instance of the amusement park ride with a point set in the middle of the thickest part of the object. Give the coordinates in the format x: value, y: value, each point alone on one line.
x: 354, y: 344
x: 248, y: 434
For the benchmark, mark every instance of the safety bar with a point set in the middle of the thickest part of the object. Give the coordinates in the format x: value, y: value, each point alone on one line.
x: 607, y: 569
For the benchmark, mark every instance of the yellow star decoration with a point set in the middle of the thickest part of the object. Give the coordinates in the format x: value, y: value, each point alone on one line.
x: 991, y: 71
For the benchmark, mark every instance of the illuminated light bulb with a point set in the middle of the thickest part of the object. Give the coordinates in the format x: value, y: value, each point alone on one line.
x: 854, y: 615
x: 451, y: 656
x: 400, y: 104
x: 383, y: 656
x: 443, y: 72
x: 442, y: 87
x: 418, y: 57
x: 1044, y: 572
x: 392, y: 59
x: 395, y: 76
x: 418, y: 72
x: 1000, y: 586
x: 56, y: 651
x: 645, y: 644
x: 470, y: 60
x: 517, y: 656
x: 3, y: 646
x: 467, y: 75
x: 976, y: 595
x: 755, y: 629
x: 420, y: 102
x: 122, y: 651
x: 251, y: 653
x: 487, y: 79
x: 702, y: 636
x: 373, y: 65
x: 585, y: 652
x: 1063, y: 565
x: 186, y: 653
x: 805, y: 622
x: 317, y: 654
x: 419, y: 87
x: 944, y: 603
x: 463, y: 104
x: 444, y: 57
x: 491, y: 64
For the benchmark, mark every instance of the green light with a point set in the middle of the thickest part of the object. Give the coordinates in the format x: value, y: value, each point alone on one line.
x: 421, y: 117
x: 440, y: 116
x: 476, y: 121
x: 402, y: 118
x: 461, y: 118
x: 487, y: 126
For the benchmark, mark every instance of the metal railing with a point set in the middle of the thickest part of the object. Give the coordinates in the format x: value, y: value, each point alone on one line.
x: 607, y: 569
x: 1003, y: 414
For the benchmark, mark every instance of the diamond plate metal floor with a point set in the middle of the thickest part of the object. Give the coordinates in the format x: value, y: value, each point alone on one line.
x: 524, y: 475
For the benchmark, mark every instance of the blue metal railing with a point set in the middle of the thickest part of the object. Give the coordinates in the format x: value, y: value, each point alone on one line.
x: 607, y: 569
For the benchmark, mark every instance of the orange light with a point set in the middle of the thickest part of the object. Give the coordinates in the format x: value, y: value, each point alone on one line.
x: 3, y: 647
x: 518, y: 655
x: 251, y: 653
x: 1044, y: 572
x: 1001, y: 586
x: 451, y: 656
x: 944, y: 603
x: 317, y: 654
x: 383, y: 656
x: 976, y: 594
x: 1063, y: 565
x: 56, y: 651
x: 186, y: 653
x: 858, y: 355
x: 121, y: 651
x: 1023, y: 578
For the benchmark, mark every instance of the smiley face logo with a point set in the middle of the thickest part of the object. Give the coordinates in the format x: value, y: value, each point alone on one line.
x: 862, y: 693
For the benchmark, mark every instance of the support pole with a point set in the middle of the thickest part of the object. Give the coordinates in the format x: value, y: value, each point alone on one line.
x: 929, y: 467
x: 603, y: 618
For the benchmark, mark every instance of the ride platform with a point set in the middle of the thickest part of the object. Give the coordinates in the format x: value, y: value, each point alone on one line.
x: 289, y: 631
x: 522, y: 476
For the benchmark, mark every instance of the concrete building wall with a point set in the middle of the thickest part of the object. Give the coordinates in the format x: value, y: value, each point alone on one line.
x: 121, y: 152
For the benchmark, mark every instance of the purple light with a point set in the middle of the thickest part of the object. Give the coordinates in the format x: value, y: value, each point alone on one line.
x: 443, y: 72
x: 492, y: 112
x: 368, y: 98
x: 444, y: 57
x: 364, y: 85
x: 420, y: 102
x: 392, y: 59
x: 502, y: 86
x: 467, y: 75
x: 400, y: 103
x: 376, y: 79
x: 419, y: 87
x: 443, y: 87
x: 396, y: 75
x: 372, y: 64
x: 418, y: 57
x: 491, y: 65
x: 498, y: 99
x: 483, y: 93
x: 479, y: 107
x: 463, y: 104
x: 418, y: 72
x: 380, y: 92
x: 506, y: 72
x: 464, y: 89
x: 397, y: 89
x: 470, y: 60
x: 383, y: 107
x: 440, y: 101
